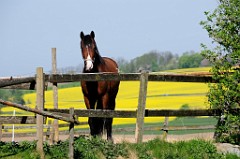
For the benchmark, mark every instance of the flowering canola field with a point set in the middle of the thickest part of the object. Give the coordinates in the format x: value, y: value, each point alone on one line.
x: 160, y: 95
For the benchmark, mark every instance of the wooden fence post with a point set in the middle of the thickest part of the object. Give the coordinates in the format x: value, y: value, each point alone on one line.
x: 52, y: 134
x: 55, y: 95
x: 141, y: 107
x: 1, y: 131
x: 71, y: 135
x: 40, y: 105
x: 165, y: 128
x: 48, y: 133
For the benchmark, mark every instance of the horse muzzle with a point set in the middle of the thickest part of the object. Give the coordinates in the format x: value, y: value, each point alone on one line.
x: 88, y: 64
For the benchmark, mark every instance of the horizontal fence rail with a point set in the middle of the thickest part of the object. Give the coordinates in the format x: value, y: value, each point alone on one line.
x: 148, y: 113
x: 40, y: 112
x: 62, y: 78
x: 5, y: 82
x: 17, y: 120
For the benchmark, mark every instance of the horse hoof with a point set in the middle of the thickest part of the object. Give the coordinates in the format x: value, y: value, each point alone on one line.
x: 110, y: 139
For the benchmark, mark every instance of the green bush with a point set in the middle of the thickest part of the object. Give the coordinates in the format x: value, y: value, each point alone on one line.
x: 223, y: 27
x: 23, y: 150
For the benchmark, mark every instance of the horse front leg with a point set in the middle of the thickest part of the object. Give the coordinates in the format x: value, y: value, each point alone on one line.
x: 92, y: 121
x: 109, y: 121
x: 108, y: 105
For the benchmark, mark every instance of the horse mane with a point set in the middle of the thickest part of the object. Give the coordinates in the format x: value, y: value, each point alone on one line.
x: 98, y: 57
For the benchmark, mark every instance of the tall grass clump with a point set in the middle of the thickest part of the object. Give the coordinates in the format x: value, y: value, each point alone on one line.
x: 193, y: 149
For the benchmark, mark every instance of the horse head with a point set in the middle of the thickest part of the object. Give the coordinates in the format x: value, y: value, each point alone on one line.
x: 88, y: 47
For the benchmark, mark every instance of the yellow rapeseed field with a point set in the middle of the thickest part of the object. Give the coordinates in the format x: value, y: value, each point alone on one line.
x: 160, y: 95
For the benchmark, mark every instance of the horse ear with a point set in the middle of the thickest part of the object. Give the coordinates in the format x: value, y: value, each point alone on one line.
x: 92, y: 34
x: 81, y: 35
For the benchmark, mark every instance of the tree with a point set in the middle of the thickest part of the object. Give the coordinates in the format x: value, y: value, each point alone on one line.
x: 190, y: 60
x: 122, y: 64
x: 153, y: 61
x: 12, y: 95
x: 223, y: 26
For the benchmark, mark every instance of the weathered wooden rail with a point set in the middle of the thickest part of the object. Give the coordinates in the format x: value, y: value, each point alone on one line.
x: 17, y: 82
x: 148, y: 112
x: 61, y: 78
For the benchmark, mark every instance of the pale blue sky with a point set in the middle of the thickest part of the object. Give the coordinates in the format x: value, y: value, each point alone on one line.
x: 123, y: 28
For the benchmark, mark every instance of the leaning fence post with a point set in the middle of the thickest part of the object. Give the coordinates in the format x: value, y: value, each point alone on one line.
x: 71, y: 134
x: 141, y: 107
x: 40, y: 105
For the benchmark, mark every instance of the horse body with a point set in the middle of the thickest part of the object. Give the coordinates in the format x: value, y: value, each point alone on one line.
x: 98, y: 94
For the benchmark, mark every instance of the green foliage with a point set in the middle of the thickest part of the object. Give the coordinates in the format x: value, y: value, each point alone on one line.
x: 190, y: 60
x: 185, y: 107
x: 152, y: 61
x: 223, y: 26
x: 196, y: 149
x: 12, y: 95
x: 193, y: 149
x: 59, y: 150
x: 158, y: 61
x: 84, y: 147
x: 95, y: 148
x: 23, y: 150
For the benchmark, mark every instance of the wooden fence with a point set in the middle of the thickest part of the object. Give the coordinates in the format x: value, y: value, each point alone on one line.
x: 69, y: 116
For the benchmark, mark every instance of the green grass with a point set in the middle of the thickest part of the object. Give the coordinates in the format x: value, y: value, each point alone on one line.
x: 95, y: 148
x: 195, y: 149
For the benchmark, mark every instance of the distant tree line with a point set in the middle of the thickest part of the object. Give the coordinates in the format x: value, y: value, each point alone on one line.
x: 152, y: 61
x: 158, y: 61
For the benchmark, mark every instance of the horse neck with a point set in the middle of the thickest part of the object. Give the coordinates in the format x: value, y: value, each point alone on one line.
x: 98, y: 58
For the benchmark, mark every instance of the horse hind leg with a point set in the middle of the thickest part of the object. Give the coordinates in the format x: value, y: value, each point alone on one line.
x: 96, y: 126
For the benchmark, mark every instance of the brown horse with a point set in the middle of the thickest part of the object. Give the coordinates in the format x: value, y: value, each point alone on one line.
x: 98, y: 94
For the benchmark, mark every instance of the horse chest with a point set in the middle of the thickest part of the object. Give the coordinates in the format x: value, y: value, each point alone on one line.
x: 94, y: 88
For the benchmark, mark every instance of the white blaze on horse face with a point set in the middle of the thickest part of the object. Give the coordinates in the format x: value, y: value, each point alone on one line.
x: 89, y: 63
